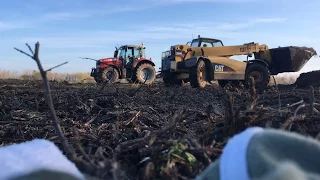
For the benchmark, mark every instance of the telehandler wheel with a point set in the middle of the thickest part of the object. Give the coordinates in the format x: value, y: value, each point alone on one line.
x: 222, y: 83
x: 110, y: 74
x: 146, y: 73
x: 260, y: 74
x: 198, y: 75
x: 170, y: 79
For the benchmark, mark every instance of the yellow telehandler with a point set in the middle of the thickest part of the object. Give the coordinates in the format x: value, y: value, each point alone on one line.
x: 207, y: 59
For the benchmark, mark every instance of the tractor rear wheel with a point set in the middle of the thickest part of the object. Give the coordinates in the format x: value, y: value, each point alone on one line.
x: 260, y: 74
x: 198, y: 75
x: 110, y: 74
x: 145, y: 73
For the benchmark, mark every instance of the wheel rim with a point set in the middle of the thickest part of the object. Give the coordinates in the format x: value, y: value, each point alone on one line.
x: 257, y: 76
x: 202, y: 74
x: 110, y: 75
x: 146, y: 74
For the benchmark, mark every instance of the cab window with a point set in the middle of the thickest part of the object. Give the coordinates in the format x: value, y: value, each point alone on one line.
x: 217, y: 44
x: 206, y: 44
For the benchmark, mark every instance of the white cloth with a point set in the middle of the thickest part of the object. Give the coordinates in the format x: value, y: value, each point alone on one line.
x: 38, y: 154
x: 233, y: 161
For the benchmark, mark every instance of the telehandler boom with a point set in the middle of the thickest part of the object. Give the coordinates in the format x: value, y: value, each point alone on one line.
x: 207, y: 59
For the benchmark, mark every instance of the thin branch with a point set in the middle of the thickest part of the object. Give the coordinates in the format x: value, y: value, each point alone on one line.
x: 56, y: 124
x: 279, y: 97
x: 294, y: 104
x: 292, y: 119
x: 23, y: 52
x: 311, y: 98
x: 78, y: 144
x: 229, y: 119
x: 57, y: 66
x: 30, y: 48
x: 253, y: 94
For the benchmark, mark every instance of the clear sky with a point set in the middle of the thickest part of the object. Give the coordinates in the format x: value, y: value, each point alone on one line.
x: 69, y: 29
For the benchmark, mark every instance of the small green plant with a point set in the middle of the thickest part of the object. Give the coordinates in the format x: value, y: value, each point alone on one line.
x: 178, y: 153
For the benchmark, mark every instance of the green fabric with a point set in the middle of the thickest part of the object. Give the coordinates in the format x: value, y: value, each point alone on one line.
x: 277, y: 155
x: 211, y: 172
x: 274, y: 153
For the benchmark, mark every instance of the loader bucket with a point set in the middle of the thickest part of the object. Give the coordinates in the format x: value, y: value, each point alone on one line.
x: 290, y: 59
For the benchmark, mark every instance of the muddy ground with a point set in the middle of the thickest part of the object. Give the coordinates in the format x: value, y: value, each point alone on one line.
x: 149, y: 131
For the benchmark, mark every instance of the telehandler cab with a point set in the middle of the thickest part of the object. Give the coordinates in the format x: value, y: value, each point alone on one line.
x: 128, y: 62
x: 207, y: 59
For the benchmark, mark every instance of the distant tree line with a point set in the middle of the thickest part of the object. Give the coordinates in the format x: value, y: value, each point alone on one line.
x: 52, y: 76
x: 85, y: 77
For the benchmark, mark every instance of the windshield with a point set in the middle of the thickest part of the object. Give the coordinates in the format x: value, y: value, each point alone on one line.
x: 206, y: 43
x: 195, y: 43
x: 210, y: 44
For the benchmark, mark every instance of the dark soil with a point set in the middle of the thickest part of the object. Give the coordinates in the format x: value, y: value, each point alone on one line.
x: 149, y: 131
x: 309, y: 78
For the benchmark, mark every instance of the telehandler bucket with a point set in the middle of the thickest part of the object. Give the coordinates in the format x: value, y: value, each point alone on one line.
x: 289, y: 59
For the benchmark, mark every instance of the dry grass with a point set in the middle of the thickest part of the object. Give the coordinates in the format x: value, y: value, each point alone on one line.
x: 35, y: 75
x: 286, y: 78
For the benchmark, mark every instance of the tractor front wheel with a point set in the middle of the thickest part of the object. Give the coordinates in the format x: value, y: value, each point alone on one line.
x: 145, y: 73
x: 198, y: 75
x: 110, y: 74
x: 260, y: 74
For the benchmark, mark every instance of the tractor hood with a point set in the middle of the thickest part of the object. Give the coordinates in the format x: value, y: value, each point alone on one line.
x: 107, y: 59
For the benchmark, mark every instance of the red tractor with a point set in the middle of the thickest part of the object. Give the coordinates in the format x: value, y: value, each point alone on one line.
x: 128, y: 63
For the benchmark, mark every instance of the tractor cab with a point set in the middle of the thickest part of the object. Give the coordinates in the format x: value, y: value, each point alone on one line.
x: 126, y: 52
x: 206, y: 42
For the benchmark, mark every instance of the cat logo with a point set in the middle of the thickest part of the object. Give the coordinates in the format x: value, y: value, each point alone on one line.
x: 218, y: 68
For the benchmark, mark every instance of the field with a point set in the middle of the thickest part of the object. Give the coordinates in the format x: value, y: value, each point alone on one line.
x: 135, y: 131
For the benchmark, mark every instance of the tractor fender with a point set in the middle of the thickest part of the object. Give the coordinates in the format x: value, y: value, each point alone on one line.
x: 188, y: 63
x: 136, y: 64
x: 257, y: 61
x: 193, y: 62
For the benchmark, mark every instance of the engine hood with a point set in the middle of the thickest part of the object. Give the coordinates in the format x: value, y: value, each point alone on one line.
x: 108, y: 59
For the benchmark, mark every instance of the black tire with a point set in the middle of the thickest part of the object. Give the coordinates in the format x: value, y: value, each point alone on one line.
x: 198, y: 74
x: 235, y: 83
x: 150, y: 74
x: 222, y: 83
x: 110, y: 74
x: 171, y: 79
x: 260, y: 73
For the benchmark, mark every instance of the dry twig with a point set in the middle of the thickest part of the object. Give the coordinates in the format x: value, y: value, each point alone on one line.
x: 311, y: 99
x: 229, y: 120
x: 35, y: 56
